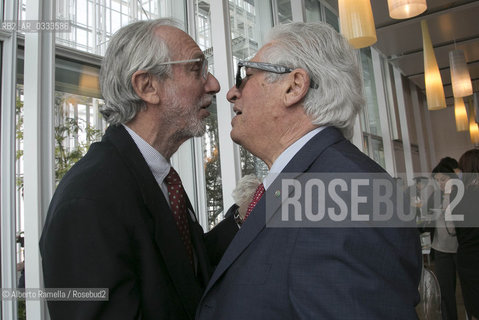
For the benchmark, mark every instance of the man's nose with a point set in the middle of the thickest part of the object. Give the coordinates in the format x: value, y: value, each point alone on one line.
x: 233, y: 94
x: 212, y: 85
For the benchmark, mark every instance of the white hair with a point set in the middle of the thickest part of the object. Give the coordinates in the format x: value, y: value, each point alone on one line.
x: 132, y: 48
x: 245, y: 189
x: 331, y: 63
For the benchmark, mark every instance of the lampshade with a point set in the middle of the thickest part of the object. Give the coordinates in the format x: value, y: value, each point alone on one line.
x: 473, y: 127
x: 474, y: 133
x: 403, y: 9
x: 475, y: 100
x: 460, y: 114
x: 357, y: 23
x: 432, y: 76
x: 460, y: 78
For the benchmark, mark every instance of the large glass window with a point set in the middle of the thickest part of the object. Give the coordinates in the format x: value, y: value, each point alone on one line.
x: 248, y: 28
x: 77, y: 124
x: 210, y: 141
x: 95, y: 21
x: 313, y: 10
x: 370, y: 121
x: 284, y: 12
x: 326, y: 11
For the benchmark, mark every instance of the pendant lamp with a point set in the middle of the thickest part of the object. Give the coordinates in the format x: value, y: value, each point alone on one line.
x: 460, y: 114
x: 432, y: 76
x: 460, y: 78
x: 474, y: 133
x: 357, y: 23
x: 473, y: 127
x: 403, y: 9
x: 475, y: 99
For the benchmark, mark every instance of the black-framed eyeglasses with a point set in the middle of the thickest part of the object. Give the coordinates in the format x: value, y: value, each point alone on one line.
x: 264, y: 66
x: 204, y: 64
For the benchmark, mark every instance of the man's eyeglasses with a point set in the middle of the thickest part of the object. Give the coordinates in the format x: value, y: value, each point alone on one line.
x: 264, y: 66
x: 204, y: 65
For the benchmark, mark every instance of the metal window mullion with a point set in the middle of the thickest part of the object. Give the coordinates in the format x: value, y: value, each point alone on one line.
x: 75, y: 116
x: 404, y: 126
x: 298, y: 10
x: 7, y: 164
x: 274, y: 8
x: 111, y: 20
x: 39, y: 145
x: 357, y: 138
x: 383, y: 114
x: 94, y: 27
x: 223, y: 57
x: 102, y: 14
x: 87, y: 28
x: 87, y: 120
x: 430, y: 138
x: 326, y: 5
x: 265, y: 22
x: 419, y: 131
x: 391, y: 105
x: 191, y: 10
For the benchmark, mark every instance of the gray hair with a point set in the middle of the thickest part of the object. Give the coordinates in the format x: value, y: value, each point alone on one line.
x: 245, y: 189
x: 132, y: 48
x: 331, y: 63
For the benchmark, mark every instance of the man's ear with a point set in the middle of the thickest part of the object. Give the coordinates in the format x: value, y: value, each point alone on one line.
x: 146, y: 87
x: 297, y: 86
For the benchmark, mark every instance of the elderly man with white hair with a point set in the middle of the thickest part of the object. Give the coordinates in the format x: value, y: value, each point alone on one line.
x: 295, y: 103
x: 120, y: 220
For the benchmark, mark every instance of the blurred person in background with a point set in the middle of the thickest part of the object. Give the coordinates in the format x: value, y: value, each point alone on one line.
x: 468, y: 236
x: 444, y: 242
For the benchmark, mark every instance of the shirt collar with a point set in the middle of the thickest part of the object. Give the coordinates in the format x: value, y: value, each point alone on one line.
x: 286, y: 156
x: 159, y: 166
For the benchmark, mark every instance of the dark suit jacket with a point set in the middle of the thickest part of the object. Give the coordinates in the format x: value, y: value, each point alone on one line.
x: 109, y: 226
x: 316, y: 273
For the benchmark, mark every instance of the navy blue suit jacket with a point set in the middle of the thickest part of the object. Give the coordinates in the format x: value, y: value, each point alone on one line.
x: 316, y: 273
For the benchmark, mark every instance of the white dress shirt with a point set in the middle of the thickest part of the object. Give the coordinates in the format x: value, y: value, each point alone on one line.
x: 159, y: 166
x: 286, y: 156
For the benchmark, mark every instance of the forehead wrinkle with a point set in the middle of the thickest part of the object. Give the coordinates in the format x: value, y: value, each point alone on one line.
x: 180, y: 44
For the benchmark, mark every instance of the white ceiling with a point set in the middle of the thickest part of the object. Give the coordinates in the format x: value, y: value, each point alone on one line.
x: 451, y: 24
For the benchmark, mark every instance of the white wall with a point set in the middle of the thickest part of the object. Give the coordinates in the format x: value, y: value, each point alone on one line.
x: 447, y: 141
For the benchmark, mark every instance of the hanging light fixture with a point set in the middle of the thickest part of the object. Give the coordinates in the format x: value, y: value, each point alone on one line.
x: 460, y: 115
x: 474, y: 133
x: 473, y: 127
x: 357, y: 23
x: 460, y: 78
x: 403, y: 9
x: 476, y: 105
x: 432, y: 76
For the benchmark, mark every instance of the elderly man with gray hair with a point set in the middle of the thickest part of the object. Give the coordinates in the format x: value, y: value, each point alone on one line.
x: 296, y: 102
x: 120, y: 219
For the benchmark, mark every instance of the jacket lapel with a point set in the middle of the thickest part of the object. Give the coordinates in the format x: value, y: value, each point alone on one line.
x: 166, y: 235
x: 258, y: 218
x: 204, y: 268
